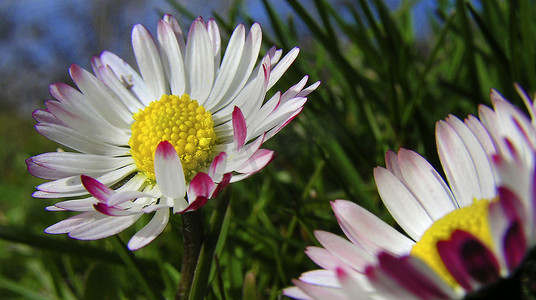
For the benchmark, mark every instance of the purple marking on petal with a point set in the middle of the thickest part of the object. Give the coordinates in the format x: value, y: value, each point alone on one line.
x: 239, y: 128
x: 45, y: 116
x: 110, y: 210
x: 282, y: 125
x: 224, y: 182
x: 266, y: 69
x: 467, y: 258
x: 199, y: 202
x: 201, y: 185
x: 218, y: 165
x: 533, y: 194
x: 166, y: 150
x: 403, y: 271
x: 341, y: 275
x: 260, y: 159
x: 511, y: 204
x: 515, y: 245
x: 448, y: 251
x: 512, y: 149
x: 96, y: 189
x: 514, y: 241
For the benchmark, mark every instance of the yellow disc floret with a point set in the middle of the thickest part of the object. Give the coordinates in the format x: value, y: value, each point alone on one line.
x: 472, y: 219
x: 180, y: 121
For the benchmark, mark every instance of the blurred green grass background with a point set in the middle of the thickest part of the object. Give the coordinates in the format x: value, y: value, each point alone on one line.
x: 383, y: 87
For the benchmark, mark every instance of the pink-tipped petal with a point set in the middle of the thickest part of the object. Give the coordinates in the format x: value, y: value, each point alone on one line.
x: 514, y: 241
x: 168, y: 171
x: 97, y: 189
x: 196, y: 204
x: 257, y: 161
x: 222, y: 184
x: 112, y: 210
x: 217, y: 167
x: 239, y: 128
x: 201, y: 186
x: 515, y: 246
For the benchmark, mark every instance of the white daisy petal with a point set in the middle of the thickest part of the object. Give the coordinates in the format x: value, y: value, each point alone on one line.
x: 199, y: 61
x: 214, y: 35
x: 406, y: 210
x: 282, y: 66
x: 67, y: 94
x: 148, y: 233
x: 74, y: 222
x: 364, y: 228
x: 72, y: 186
x: 177, y: 30
x: 124, y: 89
x: 78, y: 205
x: 148, y: 61
x: 103, y: 100
x: 319, y: 292
x: 244, y: 70
x: 229, y: 66
x: 426, y: 184
x: 103, y: 227
x: 77, y: 141
x: 77, y: 163
x: 355, y: 257
x: 172, y: 56
x: 129, y: 78
x: 481, y: 134
x: 323, y: 258
x: 458, y: 164
x: 44, y: 116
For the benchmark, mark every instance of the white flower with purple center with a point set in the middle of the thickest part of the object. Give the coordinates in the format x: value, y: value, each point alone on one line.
x: 462, y: 238
x: 168, y: 137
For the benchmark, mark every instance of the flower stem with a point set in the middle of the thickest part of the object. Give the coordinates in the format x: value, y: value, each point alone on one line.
x: 200, y: 282
x: 192, y: 235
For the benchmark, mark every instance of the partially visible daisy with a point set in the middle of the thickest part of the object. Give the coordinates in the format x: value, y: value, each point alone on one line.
x: 168, y: 137
x: 461, y: 238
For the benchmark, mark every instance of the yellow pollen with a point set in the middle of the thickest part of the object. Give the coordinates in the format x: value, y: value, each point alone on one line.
x: 472, y: 219
x: 180, y: 121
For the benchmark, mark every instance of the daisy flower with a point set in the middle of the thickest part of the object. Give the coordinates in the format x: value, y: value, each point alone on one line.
x: 461, y: 239
x: 168, y: 137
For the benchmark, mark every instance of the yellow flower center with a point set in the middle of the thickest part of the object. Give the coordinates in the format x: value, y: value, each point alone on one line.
x: 180, y: 121
x: 472, y: 219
